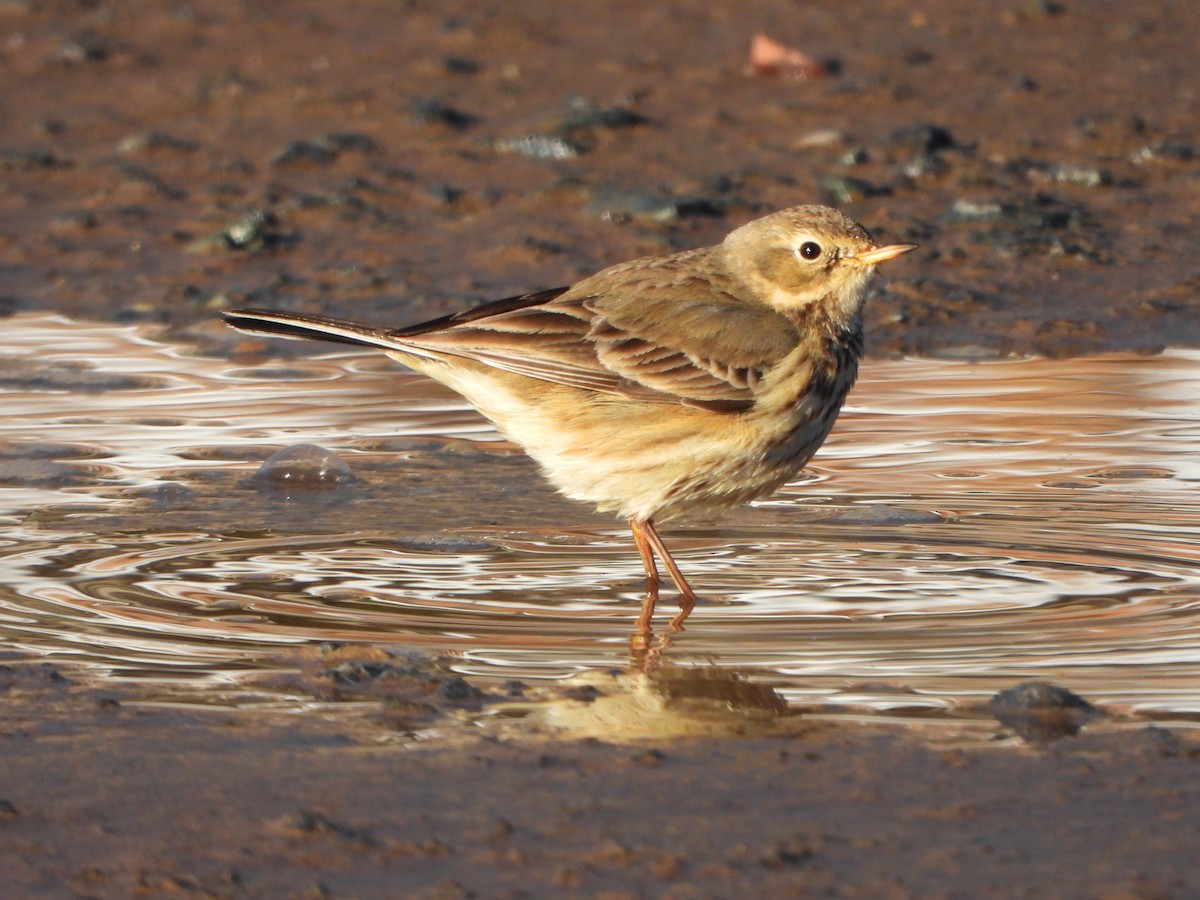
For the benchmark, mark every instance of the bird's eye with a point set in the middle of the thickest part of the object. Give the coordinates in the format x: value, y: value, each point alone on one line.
x: 809, y: 250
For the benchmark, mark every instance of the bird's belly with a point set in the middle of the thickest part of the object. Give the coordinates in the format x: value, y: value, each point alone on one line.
x: 642, y: 459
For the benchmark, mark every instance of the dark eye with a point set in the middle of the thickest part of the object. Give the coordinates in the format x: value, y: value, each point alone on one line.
x: 810, y: 250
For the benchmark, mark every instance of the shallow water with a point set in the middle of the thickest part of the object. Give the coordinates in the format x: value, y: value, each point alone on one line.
x: 968, y: 526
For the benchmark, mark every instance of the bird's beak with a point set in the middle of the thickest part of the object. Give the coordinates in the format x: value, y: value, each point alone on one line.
x: 876, y: 255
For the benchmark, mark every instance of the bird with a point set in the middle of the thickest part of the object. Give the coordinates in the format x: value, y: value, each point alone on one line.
x: 687, y: 383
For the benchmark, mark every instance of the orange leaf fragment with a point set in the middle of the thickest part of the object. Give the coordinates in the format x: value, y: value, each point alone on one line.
x: 775, y: 60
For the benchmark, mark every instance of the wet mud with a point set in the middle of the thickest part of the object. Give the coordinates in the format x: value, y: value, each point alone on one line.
x: 275, y: 622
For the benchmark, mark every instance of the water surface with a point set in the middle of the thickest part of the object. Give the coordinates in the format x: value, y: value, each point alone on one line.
x: 969, y: 525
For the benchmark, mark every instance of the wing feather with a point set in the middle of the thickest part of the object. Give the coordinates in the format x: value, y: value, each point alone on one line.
x: 640, y: 330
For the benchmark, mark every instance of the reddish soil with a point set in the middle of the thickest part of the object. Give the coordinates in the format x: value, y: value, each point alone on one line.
x: 161, y: 162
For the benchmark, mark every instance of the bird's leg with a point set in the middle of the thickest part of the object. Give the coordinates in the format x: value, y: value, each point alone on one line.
x: 687, y: 597
x: 647, y: 555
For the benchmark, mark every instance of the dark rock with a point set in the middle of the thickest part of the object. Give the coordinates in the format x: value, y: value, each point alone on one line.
x: 435, y: 112
x: 1040, y: 712
x: 461, y: 65
x: 842, y: 189
x: 915, y: 140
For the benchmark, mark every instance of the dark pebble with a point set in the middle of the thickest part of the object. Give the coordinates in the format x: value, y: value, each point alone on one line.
x: 152, y: 182
x: 585, y: 693
x: 1041, y: 224
x: 434, y: 112
x: 926, y: 165
x: 617, y: 204
x: 444, y: 193
x: 368, y: 672
x: 85, y: 47
x: 308, y: 822
x: 1040, y: 712
x: 348, y: 142
x: 302, y: 153
x: 460, y: 65
x: 151, y: 141
x: 1168, y: 151
x: 31, y: 159
x: 582, y: 116
x: 915, y: 140
x: 846, y: 189
x: 458, y: 690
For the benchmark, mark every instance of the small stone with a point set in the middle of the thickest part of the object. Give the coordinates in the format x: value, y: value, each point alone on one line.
x: 617, y: 204
x: 537, y: 146
x: 582, y: 116
x: 148, y: 141
x: 1040, y: 712
x: 916, y: 140
x: 349, y: 142
x: 1068, y: 173
x: 304, y: 467
x: 1167, y: 151
x: 85, y: 47
x: 248, y: 232
x: 964, y: 210
x: 457, y: 690
x: 434, y: 112
x: 843, y: 189
x: 461, y: 65
x: 823, y: 137
x: 307, y: 822
x: 355, y: 672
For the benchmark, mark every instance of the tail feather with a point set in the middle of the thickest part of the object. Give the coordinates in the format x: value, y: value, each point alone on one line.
x: 322, y: 328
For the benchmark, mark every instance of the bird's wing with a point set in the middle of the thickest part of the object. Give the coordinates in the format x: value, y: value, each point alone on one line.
x: 640, y: 330
x: 640, y: 336
x: 705, y: 348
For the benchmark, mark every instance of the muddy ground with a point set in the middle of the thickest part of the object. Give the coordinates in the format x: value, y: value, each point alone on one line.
x: 392, y: 161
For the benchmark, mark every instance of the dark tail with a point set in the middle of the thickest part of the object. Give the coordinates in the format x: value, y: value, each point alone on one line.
x: 321, y: 328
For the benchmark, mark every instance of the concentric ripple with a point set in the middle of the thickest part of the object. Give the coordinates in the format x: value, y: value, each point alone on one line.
x: 969, y: 525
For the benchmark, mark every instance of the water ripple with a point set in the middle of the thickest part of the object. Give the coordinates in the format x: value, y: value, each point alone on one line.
x: 966, y: 527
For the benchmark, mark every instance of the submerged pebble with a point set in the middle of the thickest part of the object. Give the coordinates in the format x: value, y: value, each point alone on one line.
x: 47, y: 473
x: 32, y: 375
x: 305, y: 467
x: 51, y: 450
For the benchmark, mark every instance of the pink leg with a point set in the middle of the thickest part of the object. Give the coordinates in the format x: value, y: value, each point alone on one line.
x: 647, y: 554
x: 648, y: 540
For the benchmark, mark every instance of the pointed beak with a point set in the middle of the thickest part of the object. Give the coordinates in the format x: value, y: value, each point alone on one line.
x: 876, y: 255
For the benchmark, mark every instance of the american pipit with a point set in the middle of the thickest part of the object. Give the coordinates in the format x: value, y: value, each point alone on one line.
x: 689, y: 383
